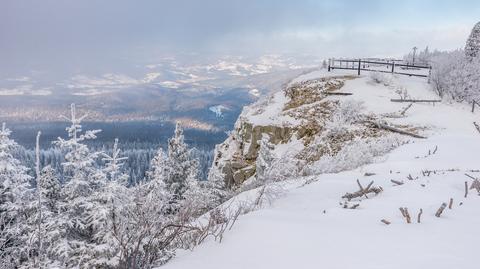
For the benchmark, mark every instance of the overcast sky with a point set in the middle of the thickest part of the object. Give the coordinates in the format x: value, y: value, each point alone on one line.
x: 66, y: 33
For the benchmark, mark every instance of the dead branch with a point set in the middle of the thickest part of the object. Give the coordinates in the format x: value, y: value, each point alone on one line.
x: 470, y: 176
x: 409, y: 177
x: 386, y: 221
x: 466, y: 189
x: 475, y: 185
x: 450, y: 204
x: 435, y: 150
x: 338, y: 93
x: 477, y: 126
x: 367, y: 174
x: 363, y: 191
x: 405, y: 109
x: 396, y: 182
x: 405, y: 214
x: 440, y: 210
x: 394, y: 130
x: 414, y: 101
x: 419, y: 216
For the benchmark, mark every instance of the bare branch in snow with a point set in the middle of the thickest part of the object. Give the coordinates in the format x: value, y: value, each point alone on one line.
x: 419, y: 216
x: 440, y: 210
x: 363, y: 191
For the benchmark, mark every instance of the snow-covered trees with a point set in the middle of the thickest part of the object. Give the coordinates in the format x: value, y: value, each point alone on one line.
x: 15, y: 195
x: 95, y: 218
x: 456, y: 74
x: 472, y: 48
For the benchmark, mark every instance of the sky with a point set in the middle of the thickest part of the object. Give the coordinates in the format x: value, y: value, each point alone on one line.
x: 69, y: 34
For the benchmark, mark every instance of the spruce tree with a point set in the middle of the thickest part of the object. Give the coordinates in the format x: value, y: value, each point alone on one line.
x: 472, y: 48
x: 15, y: 196
x: 181, y: 165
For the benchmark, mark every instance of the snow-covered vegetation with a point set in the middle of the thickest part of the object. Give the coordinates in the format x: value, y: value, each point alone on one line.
x: 456, y: 74
x: 93, y: 218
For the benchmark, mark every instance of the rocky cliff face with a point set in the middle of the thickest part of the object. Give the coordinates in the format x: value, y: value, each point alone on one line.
x: 294, y: 119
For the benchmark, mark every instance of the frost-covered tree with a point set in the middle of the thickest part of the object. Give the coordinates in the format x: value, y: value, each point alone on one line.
x: 15, y: 196
x: 264, y: 160
x: 472, y: 48
x: 217, y: 187
x: 114, y: 163
x: 181, y: 164
x: 159, y: 167
x: 82, y: 181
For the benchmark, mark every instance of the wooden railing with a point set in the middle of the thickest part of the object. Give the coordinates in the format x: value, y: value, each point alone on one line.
x: 384, y: 66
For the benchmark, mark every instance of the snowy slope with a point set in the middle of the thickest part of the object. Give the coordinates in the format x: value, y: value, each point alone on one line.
x: 308, y: 228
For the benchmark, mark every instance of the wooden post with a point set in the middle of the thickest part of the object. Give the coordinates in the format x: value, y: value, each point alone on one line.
x: 359, y: 65
x: 329, y: 63
x: 393, y: 66
x: 429, y: 74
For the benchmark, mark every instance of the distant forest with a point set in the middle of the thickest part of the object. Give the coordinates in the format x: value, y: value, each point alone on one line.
x: 138, y: 141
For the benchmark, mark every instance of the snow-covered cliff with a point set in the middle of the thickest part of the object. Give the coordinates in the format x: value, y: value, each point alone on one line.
x: 312, y: 120
x: 314, y: 224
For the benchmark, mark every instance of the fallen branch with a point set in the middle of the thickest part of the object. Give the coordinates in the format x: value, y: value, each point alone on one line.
x: 450, y: 204
x: 405, y: 109
x: 338, y: 93
x: 395, y: 130
x: 363, y: 191
x: 405, y: 214
x: 414, y: 101
x: 386, y: 221
x: 397, y: 182
x: 440, y: 210
x: 477, y: 126
x: 475, y: 185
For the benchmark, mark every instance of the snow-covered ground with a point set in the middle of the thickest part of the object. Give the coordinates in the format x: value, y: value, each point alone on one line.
x: 308, y: 228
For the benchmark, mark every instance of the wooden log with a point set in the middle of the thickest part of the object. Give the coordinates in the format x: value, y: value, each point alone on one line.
x: 440, y: 210
x: 395, y: 130
x: 386, y: 221
x: 419, y: 216
x: 414, y: 101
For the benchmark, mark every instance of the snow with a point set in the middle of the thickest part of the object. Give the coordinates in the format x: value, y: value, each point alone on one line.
x: 307, y: 228
x: 269, y: 111
x: 218, y: 110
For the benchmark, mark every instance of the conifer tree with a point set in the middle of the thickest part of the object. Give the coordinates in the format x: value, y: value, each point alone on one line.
x: 15, y: 196
x: 181, y: 165
x: 472, y: 48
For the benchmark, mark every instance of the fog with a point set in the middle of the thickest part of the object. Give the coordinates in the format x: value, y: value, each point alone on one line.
x: 74, y: 36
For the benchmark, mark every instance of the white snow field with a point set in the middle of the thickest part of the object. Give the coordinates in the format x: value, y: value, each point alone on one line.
x: 308, y: 228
